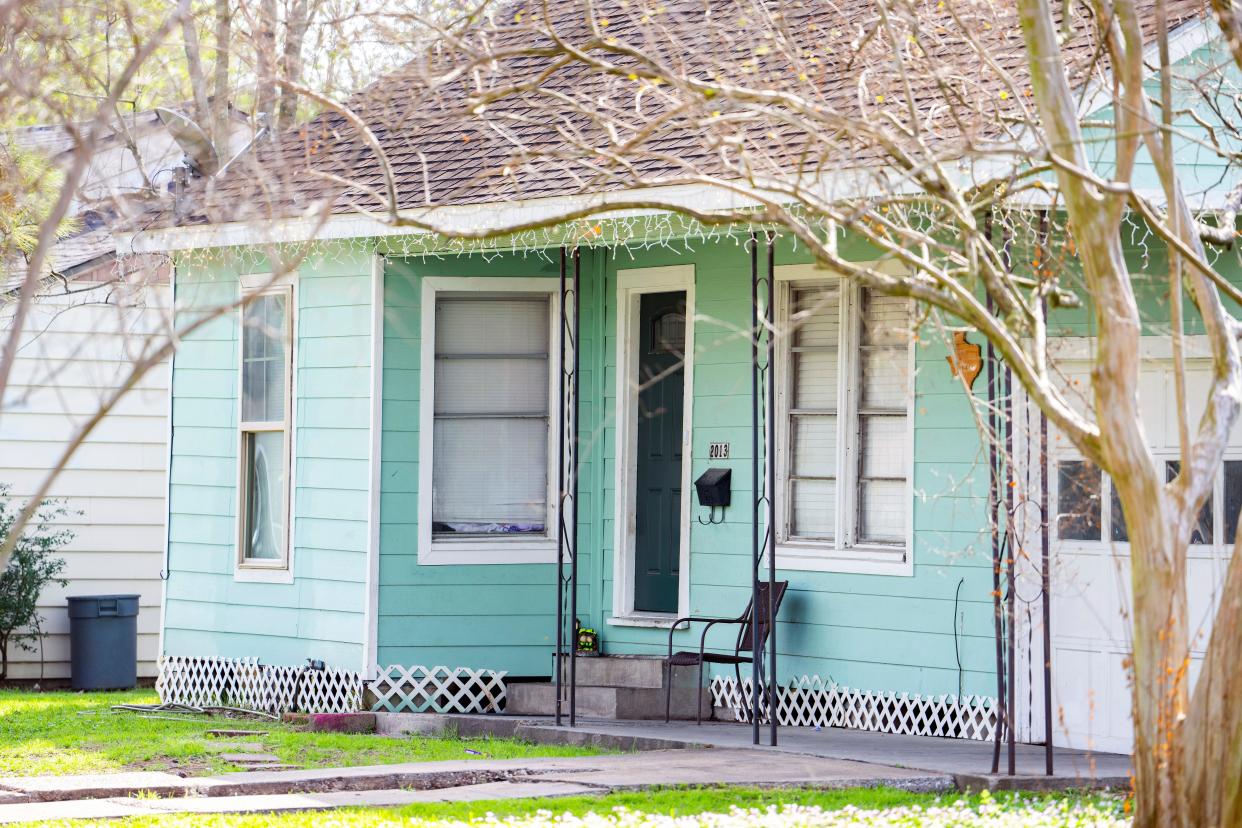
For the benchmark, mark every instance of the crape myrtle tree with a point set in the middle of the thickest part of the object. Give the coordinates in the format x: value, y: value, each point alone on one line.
x: 952, y: 137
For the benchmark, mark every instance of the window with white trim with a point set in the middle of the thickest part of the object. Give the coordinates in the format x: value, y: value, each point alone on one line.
x: 487, y: 421
x: 844, y: 399
x: 266, y: 376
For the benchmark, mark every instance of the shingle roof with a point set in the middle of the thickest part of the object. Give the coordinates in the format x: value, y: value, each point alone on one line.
x: 518, y: 147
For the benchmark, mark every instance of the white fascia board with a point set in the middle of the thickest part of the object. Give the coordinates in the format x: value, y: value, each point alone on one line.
x: 494, y: 219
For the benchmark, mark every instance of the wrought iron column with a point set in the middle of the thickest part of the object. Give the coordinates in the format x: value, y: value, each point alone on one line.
x: 769, y: 456
x: 756, y: 650
x: 569, y: 353
x: 573, y: 490
x: 994, y: 526
x: 560, y: 491
x: 762, y: 395
x: 1045, y: 569
x: 1011, y: 587
x: 1011, y: 555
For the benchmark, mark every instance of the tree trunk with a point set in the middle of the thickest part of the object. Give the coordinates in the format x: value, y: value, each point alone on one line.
x: 265, y: 69
x: 1160, y: 655
x: 221, y: 94
x: 1213, y: 729
x: 291, y: 62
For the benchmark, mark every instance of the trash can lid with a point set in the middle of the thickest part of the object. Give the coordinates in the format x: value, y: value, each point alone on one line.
x: 133, y: 596
x: 100, y: 606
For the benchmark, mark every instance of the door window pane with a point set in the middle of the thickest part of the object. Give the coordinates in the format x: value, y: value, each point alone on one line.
x: 490, y: 439
x: 265, y: 495
x: 1117, y: 528
x: 1078, y: 501
x: 1201, y: 532
x: 1233, y: 498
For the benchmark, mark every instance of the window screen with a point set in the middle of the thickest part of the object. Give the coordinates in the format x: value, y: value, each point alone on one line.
x: 490, y: 439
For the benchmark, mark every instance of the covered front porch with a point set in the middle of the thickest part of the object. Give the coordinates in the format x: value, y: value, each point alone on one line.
x: 886, y: 591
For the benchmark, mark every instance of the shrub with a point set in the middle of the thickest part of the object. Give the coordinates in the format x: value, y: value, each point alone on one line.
x: 32, y: 567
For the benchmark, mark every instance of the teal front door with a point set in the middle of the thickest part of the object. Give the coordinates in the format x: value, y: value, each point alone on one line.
x: 661, y: 379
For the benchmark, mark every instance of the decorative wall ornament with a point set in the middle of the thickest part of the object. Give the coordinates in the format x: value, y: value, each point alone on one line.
x: 438, y: 690
x: 967, y: 359
x: 813, y: 702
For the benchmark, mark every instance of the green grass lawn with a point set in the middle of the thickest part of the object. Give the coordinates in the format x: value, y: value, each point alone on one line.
x: 57, y: 733
x: 711, y: 807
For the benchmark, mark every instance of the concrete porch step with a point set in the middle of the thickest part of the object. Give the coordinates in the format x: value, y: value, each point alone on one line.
x: 539, y: 699
x: 626, y: 671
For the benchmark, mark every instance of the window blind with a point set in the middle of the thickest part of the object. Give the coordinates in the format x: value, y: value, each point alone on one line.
x: 490, y: 431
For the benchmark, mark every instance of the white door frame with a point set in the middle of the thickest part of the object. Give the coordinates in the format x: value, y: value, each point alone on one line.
x: 631, y: 285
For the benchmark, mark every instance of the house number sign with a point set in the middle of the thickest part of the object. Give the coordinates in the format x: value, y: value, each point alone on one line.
x: 718, y: 451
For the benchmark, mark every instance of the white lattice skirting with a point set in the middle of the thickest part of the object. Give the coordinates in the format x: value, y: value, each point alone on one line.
x: 438, y: 690
x: 812, y: 701
x: 245, y: 683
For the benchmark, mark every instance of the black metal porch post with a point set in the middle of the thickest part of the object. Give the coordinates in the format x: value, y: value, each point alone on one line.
x: 1011, y: 554
x: 769, y: 457
x: 560, y: 492
x: 1045, y: 574
x: 756, y: 648
x: 573, y: 485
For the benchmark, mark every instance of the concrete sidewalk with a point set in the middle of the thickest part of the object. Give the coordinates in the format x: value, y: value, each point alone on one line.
x: 115, y: 795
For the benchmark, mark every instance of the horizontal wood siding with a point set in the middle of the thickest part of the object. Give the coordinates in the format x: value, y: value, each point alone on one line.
x: 74, y: 351
x: 875, y: 632
x: 321, y: 614
x: 479, y: 616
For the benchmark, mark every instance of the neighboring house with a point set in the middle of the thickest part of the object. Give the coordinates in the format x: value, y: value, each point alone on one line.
x: 364, y: 462
x: 94, y: 315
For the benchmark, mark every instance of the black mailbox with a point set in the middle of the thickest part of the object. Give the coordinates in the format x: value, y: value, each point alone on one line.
x: 714, y: 487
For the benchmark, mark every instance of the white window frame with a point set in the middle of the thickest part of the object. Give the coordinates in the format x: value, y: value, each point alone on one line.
x: 842, y: 554
x: 278, y: 570
x: 481, y: 550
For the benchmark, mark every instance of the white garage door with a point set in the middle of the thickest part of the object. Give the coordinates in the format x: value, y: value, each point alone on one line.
x: 1091, y: 569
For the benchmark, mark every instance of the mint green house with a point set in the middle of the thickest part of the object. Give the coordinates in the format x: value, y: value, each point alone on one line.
x: 366, y: 464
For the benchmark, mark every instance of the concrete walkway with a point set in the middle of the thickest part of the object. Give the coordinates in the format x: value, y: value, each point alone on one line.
x: 104, y: 796
x: 968, y: 761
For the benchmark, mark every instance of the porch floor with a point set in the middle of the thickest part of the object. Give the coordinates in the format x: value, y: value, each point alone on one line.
x: 968, y: 761
x: 930, y: 753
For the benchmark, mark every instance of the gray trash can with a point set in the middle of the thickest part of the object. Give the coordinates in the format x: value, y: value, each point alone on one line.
x: 103, y: 641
